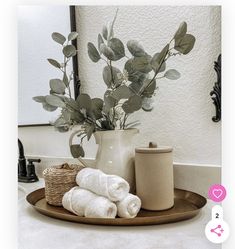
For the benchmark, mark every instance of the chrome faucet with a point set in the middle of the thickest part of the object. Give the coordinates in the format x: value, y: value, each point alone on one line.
x: 26, y: 173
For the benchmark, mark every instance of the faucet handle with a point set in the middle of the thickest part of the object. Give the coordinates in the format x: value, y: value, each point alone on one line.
x: 31, y: 169
x: 33, y: 160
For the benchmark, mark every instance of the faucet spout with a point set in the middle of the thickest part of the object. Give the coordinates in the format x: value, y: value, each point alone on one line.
x: 22, y: 172
x: 21, y: 149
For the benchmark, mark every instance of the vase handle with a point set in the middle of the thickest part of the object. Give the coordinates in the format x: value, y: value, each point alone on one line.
x: 83, y: 162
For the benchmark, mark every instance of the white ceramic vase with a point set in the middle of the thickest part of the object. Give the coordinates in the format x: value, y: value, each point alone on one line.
x: 115, y: 154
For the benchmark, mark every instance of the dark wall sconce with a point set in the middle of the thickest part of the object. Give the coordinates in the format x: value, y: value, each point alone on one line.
x: 216, y: 92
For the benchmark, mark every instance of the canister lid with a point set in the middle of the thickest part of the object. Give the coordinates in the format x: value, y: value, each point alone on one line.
x: 153, y: 148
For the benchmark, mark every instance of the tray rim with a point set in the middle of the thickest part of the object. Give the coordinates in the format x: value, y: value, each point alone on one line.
x: 137, y: 221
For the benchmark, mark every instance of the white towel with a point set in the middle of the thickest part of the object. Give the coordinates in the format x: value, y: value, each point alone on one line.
x: 113, y: 187
x: 76, y: 200
x: 129, y: 207
x: 82, y: 202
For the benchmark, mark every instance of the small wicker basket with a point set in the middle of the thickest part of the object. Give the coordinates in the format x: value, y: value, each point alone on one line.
x: 59, y: 180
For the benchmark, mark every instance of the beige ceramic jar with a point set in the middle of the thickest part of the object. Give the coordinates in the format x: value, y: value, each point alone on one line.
x: 154, y: 177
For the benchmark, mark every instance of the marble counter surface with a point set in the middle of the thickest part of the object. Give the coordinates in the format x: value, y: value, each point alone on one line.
x: 36, y: 231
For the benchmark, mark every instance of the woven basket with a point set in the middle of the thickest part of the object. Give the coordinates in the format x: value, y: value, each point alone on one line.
x: 59, y: 180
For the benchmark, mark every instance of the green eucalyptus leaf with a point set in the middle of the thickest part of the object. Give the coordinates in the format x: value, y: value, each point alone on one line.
x: 134, y: 103
x: 135, y: 87
x: 77, y: 150
x: 185, y: 44
x: 158, y: 59
x: 109, y: 101
x: 181, y: 31
x: 107, y: 77
x: 39, y: 99
x: 48, y: 107
x: 72, y: 104
x: 117, y: 47
x: 97, y: 107
x: 128, y: 66
x: 52, y: 92
x: 54, y: 63
x: 54, y: 100
x: 133, y: 75
x: 84, y: 101
x: 147, y: 104
x: 69, y: 51
x: 137, y: 77
x: 172, y: 74
x: 72, y: 36
x: 100, y: 41
x: 110, y: 76
x: 107, y: 51
x: 142, y: 64
x: 63, y: 128
x: 105, y: 32
x: 66, y: 80
x: 110, y: 31
x: 66, y: 115
x: 59, y: 122
x: 93, y: 52
x: 149, y: 88
x: 59, y: 38
x: 57, y: 86
x: 122, y: 92
x: 77, y: 116
x: 155, y: 64
x: 89, y: 131
x: 135, y: 48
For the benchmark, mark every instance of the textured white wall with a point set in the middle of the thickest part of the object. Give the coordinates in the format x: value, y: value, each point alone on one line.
x: 183, y: 109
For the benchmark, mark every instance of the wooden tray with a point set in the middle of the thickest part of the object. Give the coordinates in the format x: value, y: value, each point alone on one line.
x: 187, y: 205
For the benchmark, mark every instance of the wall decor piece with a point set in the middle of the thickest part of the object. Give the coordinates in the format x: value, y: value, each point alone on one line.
x: 216, y: 92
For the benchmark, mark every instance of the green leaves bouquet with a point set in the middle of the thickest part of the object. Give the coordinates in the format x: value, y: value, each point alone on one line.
x: 129, y: 89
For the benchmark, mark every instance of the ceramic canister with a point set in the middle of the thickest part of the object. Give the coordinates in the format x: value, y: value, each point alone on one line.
x: 154, y: 177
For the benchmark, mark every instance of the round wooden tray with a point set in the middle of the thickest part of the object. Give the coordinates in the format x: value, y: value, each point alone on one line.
x: 187, y: 205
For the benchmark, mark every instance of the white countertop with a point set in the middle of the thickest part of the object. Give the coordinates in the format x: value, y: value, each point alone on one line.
x: 36, y: 231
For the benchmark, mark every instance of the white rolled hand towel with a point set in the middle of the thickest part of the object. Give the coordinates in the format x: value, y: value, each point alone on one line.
x: 76, y: 200
x: 83, y: 202
x: 113, y: 187
x: 129, y: 206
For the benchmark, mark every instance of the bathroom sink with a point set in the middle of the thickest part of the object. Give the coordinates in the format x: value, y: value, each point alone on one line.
x: 21, y: 192
x: 25, y: 188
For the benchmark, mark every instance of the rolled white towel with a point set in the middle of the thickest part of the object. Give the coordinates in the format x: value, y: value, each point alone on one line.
x: 83, y: 202
x: 129, y: 207
x: 111, y: 186
x: 101, y: 207
x: 76, y: 200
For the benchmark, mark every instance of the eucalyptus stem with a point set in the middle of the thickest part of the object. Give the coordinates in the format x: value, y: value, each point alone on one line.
x: 111, y: 70
x: 92, y: 122
x: 160, y: 77
x: 65, y: 65
x: 156, y: 73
